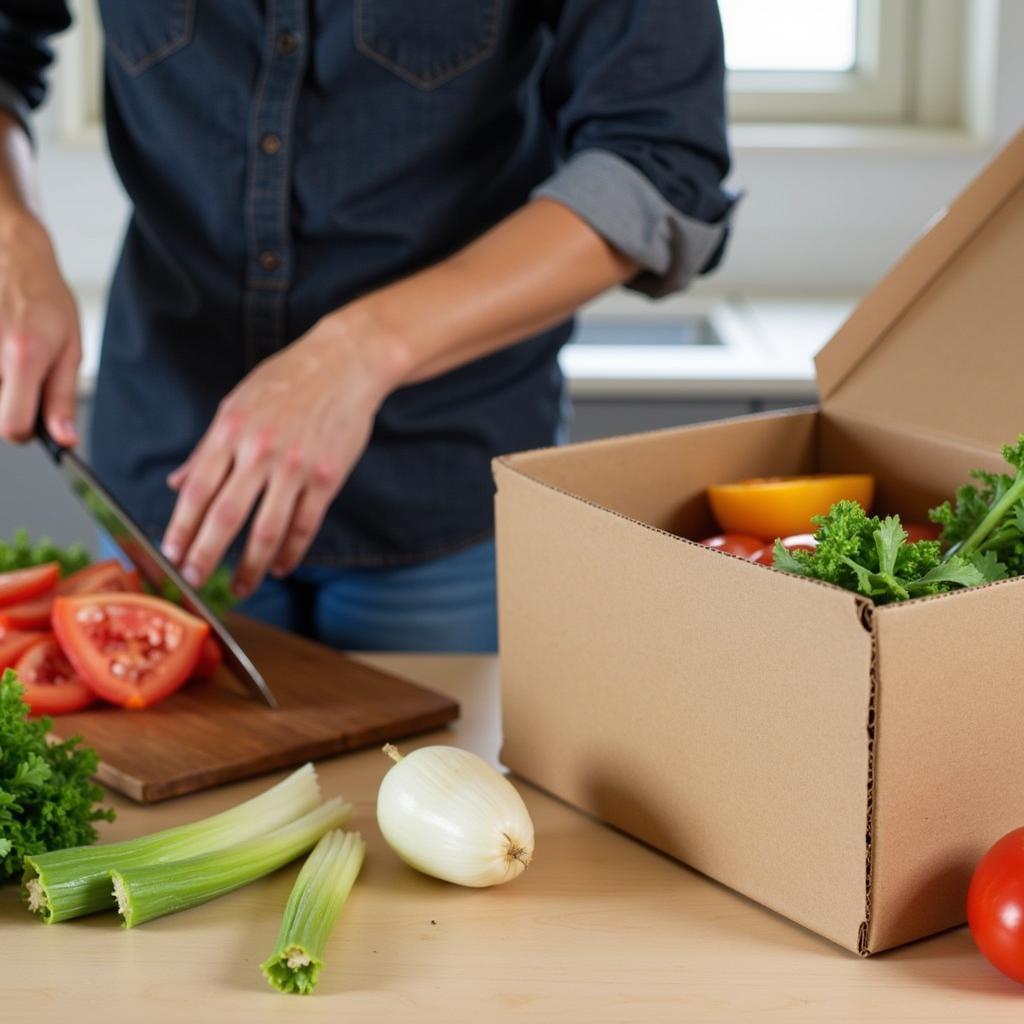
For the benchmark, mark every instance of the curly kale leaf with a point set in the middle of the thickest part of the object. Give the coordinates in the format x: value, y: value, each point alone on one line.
x: 871, y: 556
x: 47, y: 798
x: 987, y: 517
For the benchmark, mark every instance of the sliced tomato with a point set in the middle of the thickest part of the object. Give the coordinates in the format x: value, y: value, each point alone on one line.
x: 107, y: 577
x: 24, y: 584
x: 13, y: 645
x: 132, y: 649
x: 34, y: 614
x: 52, y: 686
x: 211, y: 657
x: 783, y: 506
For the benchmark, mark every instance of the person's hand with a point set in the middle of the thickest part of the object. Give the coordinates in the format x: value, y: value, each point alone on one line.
x: 291, y: 432
x: 40, y: 346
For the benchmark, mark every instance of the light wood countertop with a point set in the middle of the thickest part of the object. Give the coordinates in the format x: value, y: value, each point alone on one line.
x: 600, y: 928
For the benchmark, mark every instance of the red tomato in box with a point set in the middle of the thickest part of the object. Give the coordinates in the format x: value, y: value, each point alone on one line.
x: 25, y: 584
x: 741, y: 544
x: 798, y: 542
x: 52, y: 687
x: 995, y: 905
x: 102, y: 578
x: 921, y: 531
x: 131, y: 649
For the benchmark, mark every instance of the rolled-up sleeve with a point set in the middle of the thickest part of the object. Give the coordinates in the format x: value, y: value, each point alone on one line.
x: 25, y: 54
x: 635, y: 93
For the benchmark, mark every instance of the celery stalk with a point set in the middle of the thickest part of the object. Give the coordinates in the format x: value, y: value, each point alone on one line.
x: 320, y: 892
x: 67, y: 883
x: 143, y: 893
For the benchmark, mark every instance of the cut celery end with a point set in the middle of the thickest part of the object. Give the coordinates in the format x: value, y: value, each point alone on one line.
x: 64, y: 884
x: 143, y: 893
x: 320, y: 891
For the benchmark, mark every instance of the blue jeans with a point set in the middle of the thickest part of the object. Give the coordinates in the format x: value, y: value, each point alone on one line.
x: 448, y: 604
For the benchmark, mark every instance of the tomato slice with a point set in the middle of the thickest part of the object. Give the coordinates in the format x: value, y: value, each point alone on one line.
x: 52, y: 687
x: 13, y: 645
x: 102, y: 578
x: 24, y: 584
x: 132, y: 649
x: 34, y: 614
x: 211, y: 657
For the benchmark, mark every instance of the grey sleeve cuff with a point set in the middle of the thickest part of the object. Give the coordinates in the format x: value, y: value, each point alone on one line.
x: 17, y: 106
x: 622, y: 205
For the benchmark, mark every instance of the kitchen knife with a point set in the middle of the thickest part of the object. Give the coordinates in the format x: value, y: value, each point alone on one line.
x: 147, y: 558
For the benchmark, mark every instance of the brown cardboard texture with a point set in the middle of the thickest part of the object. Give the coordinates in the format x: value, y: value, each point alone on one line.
x: 824, y: 756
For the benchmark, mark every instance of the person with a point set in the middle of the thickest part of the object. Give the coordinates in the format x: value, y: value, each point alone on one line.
x: 359, y: 232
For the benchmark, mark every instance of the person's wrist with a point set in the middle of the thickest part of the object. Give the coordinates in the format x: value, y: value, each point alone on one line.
x: 18, y: 224
x: 380, y: 342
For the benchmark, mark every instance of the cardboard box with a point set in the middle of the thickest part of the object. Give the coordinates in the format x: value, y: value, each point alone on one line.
x: 843, y: 763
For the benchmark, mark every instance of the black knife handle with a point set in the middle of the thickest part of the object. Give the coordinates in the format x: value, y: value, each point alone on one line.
x: 54, y: 449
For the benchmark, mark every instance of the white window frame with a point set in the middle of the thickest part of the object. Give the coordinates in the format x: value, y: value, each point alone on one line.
x: 909, y: 70
x: 78, y: 79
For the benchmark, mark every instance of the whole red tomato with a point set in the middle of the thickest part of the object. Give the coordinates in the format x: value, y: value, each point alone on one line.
x: 798, y: 542
x: 735, y: 543
x: 995, y: 905
x: 921, y: 531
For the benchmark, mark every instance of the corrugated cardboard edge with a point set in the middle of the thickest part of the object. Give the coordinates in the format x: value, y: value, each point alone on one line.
x: 865, y: 608
x: 901, y: 287
x: 867, y: 618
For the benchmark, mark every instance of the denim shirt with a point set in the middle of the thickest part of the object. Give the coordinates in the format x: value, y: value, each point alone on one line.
x: 284, y: 157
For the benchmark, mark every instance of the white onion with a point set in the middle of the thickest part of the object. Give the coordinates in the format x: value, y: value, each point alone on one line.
x: 448, y: 813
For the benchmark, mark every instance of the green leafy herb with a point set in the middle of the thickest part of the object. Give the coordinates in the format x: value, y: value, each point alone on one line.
x: 987, y: 517
x: 47, y: 800
x: 216, y: 592
x: 20, y: 552
x: 872, y: 556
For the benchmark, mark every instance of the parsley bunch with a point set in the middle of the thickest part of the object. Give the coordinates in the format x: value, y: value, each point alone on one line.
x: 20, y: 552
x: 47, y: 798
x: 872, y: 556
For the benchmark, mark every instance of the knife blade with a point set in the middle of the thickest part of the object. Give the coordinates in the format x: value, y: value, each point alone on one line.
x: 147, y: 558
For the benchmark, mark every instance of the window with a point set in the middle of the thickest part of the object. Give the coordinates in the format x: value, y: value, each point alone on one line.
x: 853, y: 61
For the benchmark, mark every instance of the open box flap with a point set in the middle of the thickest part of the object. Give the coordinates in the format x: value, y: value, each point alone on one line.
x: 937, y: 346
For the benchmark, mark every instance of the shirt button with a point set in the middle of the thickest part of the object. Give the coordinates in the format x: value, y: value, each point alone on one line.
x: 269, y: 261
x: 271, y: 144
x: 287, y: 42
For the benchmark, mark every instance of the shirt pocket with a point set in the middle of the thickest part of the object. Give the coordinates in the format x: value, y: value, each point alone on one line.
x: 427, y: 44
x: 141, y: 33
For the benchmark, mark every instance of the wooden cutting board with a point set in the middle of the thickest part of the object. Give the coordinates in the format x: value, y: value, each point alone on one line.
x: 212, y: 732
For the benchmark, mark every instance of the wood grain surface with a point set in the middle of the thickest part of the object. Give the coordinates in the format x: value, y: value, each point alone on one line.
x: 213, y: 732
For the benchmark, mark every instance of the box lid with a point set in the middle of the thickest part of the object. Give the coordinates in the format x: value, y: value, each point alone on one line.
x: 937, y: 346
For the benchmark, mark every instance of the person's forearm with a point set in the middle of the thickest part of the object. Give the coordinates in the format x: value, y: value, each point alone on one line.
x: 17, y: 169
x: 531, y: 271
